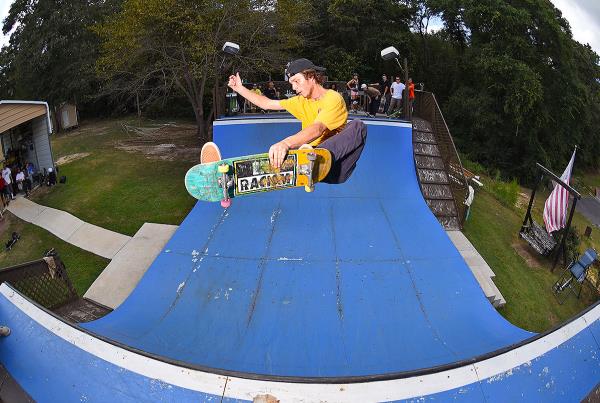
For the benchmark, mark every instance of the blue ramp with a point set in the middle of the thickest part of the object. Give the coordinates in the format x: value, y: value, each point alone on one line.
x: 345, y: 281
x: 351, y: 293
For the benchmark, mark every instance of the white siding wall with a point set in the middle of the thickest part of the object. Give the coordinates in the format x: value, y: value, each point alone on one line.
x: 41, y: 142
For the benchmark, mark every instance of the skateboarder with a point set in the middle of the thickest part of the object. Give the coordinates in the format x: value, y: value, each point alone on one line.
x: 323, y: 115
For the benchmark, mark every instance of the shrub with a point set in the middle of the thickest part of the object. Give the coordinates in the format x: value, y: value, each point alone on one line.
x: 507, y: 193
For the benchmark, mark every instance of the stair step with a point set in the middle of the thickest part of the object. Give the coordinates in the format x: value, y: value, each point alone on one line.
x: 423, y: 137
x: 442, y: 207
x: 431, y: 176
x: 427, y: 149
x: 425, y: 161
x: 449, y: 223
x: 436, y: 191
x: 421, y: 125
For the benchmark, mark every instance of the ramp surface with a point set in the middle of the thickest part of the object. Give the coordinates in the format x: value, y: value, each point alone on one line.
x: 351, y: 293
x: 353, y: 279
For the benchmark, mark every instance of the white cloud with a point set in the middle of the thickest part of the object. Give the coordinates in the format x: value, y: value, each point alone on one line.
x: 584, y: 19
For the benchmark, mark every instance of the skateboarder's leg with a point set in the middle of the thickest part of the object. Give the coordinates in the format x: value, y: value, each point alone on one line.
x: 345, y: 148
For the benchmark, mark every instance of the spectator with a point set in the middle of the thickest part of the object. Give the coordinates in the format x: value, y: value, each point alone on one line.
x: 28, y: 183
x: 411, y: 95
x: 386, y: 93
x: 353, y: 86
x: 7, y: 176
x: 51, y: 177
x: 30, y: 173
x: 271, y: 92
x: 374, y: 98
x: 334, y: 87
x: 4, y: 192
x: 396, y: 101
x: 255, y: 90
x: 20, y: 178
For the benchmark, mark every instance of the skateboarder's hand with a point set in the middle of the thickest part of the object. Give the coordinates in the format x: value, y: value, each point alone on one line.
x: 277, y: 153
x: 235, y: 82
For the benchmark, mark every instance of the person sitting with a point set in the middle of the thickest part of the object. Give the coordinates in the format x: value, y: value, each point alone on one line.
x: 271, y: 92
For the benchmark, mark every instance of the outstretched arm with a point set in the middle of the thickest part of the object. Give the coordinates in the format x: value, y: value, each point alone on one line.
x: 235, y: 83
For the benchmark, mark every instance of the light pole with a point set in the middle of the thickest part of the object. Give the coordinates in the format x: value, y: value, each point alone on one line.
x: 391, y: 53
x: 231, y: 49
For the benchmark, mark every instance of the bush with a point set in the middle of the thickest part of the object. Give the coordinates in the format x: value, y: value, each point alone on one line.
x: 572, y: 243
x: 507, y: 193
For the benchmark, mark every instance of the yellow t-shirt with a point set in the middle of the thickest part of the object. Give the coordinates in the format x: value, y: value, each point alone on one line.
x: 330, y: 110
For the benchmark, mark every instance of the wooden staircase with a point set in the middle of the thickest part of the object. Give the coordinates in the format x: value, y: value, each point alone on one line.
x: 434, y: 178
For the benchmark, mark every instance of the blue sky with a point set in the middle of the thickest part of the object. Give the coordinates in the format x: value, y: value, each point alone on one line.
x: 583, y: 16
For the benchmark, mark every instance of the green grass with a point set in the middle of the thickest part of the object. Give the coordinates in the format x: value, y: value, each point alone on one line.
x: 83, y: 267
x: 115, y: 189
x: 493, y: 229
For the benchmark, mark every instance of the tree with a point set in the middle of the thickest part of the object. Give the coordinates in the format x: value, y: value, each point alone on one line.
x: 347, y: 36
x: 153, y: 48
x: 52, y: 51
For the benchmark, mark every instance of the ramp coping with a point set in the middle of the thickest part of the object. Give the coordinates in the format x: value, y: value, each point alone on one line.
x: 241, y: 388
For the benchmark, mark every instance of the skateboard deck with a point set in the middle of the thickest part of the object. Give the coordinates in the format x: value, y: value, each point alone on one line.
x: 251, y: 174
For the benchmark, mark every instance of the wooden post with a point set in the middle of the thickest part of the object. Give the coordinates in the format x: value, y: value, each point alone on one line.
x: 528, y: 215
x: 564, y: 237
x: 406, y: 104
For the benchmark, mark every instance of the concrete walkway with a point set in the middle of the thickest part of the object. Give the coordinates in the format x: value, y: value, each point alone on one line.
x: 131, y: 256
x: 69, y: 228
x: 479, y: 267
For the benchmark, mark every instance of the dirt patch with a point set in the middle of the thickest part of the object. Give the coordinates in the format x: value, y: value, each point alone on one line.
x: 522, y: 200
x: 553, y: 319
x: 530, y: 257
x: 70, y: 158
x: 167, y: 141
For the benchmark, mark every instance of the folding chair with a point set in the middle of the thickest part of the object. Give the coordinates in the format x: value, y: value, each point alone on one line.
x: 574, y: 274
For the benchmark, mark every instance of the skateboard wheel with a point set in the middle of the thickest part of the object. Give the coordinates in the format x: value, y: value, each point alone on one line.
x: 223, y: 168
x: 226, y: 203
x: 309, y: 188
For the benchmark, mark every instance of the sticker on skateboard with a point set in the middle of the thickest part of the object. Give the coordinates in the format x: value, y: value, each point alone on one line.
x: 239, y: 176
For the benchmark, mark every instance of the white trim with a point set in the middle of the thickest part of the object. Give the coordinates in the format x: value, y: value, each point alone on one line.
x: 6, y: 101
x: 387, y: 123
x: 239, y: 388
x: 228, y: 122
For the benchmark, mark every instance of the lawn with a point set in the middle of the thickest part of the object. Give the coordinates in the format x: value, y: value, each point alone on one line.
x: 83, y: 267
x: 116, y: 189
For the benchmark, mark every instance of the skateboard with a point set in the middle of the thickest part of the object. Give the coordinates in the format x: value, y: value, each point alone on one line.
x: 251, y: 174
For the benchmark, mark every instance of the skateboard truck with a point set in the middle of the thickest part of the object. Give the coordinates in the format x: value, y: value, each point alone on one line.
x: 307, y: 170
x: 225, y: 184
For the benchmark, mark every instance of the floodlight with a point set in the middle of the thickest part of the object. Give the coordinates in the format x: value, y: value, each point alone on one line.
x: 231, y: 48
x: 390, y: 53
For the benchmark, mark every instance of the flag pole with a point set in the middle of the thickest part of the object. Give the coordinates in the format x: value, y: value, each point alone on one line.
x: 564, y: 237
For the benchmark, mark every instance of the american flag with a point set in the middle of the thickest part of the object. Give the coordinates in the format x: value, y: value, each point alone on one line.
x: 555, y: 208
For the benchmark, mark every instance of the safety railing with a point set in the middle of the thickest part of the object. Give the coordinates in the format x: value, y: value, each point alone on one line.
x: 44, y: 281
x: 427, y: 108
x: 228, y: 103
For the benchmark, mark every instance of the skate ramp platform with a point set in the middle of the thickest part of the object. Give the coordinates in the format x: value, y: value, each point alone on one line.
x: 353, y: 292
